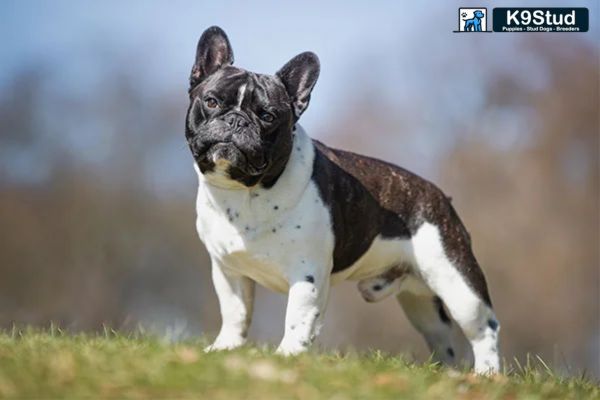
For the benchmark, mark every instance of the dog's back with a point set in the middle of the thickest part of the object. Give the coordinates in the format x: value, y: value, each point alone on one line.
x: 370, y: 197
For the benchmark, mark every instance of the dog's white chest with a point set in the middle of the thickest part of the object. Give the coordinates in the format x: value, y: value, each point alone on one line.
x: 240, y: 243
x: 268, y: 234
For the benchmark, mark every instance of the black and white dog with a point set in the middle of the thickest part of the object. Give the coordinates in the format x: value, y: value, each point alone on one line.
x: 278, y: 208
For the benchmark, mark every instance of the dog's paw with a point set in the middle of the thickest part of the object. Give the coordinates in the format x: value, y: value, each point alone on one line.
x: 378, y: 288
x: 289, y: 348
x: 486, y: 369
x: 225, y: 344
x: 488, y: 366
x: 374, y: 290
x: 290, y: 351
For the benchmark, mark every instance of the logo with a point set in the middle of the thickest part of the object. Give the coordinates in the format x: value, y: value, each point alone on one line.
x: 524, y: 19
x: 472, y: 19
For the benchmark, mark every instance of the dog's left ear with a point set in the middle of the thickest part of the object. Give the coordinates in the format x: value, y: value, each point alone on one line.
x: 213, y: 53
x: 299, y: 76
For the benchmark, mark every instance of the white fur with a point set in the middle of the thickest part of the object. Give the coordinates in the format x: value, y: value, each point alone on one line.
x: 282, y: 236
x: 241, y: 93
x: 236, y: 296
x: 276, y: 237
x: 467, y: 309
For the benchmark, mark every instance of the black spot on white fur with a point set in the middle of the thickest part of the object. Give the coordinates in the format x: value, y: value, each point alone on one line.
x: 310, y: 278
x: 232, y: 214
x: 439, y: 304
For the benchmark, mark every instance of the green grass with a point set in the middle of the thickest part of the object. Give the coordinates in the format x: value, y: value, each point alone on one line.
x: 53, y: 364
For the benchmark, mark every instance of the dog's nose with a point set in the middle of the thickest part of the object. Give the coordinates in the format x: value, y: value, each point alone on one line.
x: 236, y: 121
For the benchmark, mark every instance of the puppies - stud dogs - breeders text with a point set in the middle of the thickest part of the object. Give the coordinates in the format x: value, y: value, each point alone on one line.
x: 278, y: 208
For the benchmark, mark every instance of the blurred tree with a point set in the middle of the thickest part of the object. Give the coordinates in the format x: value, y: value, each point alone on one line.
x: 533, y: 208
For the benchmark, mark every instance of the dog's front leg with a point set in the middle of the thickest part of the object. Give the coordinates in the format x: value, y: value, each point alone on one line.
x: 236, y: 297
x: 307, y: 299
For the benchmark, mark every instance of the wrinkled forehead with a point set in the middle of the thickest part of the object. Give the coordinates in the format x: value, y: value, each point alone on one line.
x: 230, y: 82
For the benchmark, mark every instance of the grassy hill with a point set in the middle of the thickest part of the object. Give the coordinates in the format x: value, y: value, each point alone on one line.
x: 57, y: 365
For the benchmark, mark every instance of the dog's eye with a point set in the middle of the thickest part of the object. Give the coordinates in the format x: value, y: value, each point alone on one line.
x: 211, y: 102
x: 267, y: 117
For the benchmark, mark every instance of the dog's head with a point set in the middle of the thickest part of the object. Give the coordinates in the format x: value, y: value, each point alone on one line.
x: 239, y: 123
x: 478, y: 14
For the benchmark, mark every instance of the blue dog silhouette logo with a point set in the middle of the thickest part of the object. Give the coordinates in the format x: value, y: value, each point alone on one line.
x: 472, y: 19
x: 473, y: 24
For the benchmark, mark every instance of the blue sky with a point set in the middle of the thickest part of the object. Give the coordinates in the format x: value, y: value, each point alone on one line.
x: 403, y: 54
x: 348, y: 36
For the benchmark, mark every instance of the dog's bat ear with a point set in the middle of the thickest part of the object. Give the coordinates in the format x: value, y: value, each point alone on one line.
x: 213, y: 52
x: 299, y: 76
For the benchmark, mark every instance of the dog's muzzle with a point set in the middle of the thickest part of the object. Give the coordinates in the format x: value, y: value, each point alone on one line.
x: 248, y: 161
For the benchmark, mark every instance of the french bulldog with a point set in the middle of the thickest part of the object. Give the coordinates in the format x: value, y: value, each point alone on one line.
x: 278, y: 208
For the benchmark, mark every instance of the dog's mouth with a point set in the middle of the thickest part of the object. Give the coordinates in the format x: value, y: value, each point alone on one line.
x: 227, y: 153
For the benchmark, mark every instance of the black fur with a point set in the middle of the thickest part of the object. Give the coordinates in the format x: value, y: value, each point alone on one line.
x: 369, y: 197
x: 439, y: 306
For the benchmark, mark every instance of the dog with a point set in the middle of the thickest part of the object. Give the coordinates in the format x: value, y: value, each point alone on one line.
x: 474, y: 24
x: 280, y: 209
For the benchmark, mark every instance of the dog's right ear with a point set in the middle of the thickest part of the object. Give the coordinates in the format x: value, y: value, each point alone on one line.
x: 213, y: 52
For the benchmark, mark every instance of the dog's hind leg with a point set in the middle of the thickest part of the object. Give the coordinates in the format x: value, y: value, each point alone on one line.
x: 424, y: 310
x: 448, y: 267
x: 428, y: 315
